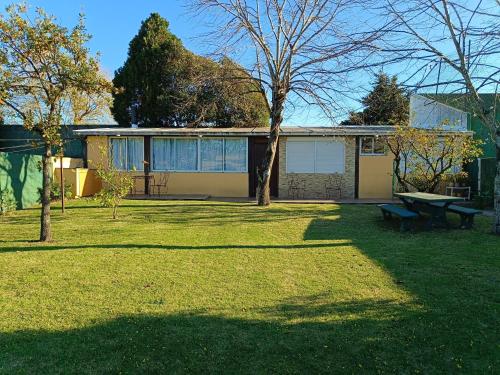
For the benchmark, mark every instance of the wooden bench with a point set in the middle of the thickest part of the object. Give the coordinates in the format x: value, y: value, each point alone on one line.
x: 466, y: 215
x: 406, y: 216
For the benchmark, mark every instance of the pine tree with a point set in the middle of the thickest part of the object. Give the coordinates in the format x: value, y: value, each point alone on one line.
x: 147, y: 80
x: 386, y: 104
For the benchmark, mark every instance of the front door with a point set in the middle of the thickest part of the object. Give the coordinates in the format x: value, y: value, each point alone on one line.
x: 256, y: 152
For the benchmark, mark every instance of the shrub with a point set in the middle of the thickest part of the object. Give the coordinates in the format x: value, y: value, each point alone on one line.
x: 7, y: 201
x: 55, y: 193
x: 115, y: 184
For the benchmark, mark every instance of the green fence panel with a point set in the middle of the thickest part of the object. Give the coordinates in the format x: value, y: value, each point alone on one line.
x: 21, y: 173
x: 487, y: 176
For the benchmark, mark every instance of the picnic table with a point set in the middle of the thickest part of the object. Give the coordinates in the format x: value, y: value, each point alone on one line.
x: 433, y: 204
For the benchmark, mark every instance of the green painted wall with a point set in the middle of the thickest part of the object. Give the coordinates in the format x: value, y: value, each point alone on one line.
x: 21, y: 174
x: 482, y: 132
x: 17, y: 138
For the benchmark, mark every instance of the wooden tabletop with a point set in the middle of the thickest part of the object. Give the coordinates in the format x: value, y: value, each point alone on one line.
x: 428, y: 197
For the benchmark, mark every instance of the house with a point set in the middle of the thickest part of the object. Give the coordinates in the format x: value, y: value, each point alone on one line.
x: 311, y: 162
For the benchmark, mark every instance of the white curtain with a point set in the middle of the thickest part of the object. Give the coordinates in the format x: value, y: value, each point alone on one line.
x: 211, y: 154
x: 135, y: 154
x: 119, y: 153
x: 235, y: 152
x: 163, y: 154
x: 186, y: 154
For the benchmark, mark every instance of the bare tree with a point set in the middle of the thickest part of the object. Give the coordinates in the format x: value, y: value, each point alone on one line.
x: 300, y: 51
x: 453, y: 46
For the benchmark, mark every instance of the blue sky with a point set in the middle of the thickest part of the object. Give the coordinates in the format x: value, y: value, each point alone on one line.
x: 113, y: 24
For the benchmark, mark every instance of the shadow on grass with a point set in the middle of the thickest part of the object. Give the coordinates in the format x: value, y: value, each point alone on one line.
x: 194, y: 214
x: 196, y: 342
x: 34, y: 246
x: 453, y: 274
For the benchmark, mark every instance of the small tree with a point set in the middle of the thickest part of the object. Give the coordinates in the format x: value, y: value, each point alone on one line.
x: 423, y: 158
x: 41, y: 65
x: 115, y: 184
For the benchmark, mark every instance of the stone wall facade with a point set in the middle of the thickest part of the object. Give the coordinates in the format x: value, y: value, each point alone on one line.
x: 319, y: 185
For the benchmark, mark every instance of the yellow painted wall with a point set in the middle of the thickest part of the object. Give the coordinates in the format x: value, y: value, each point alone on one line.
x: 84, y: 182
x: 89, y: 183
x: 375, y: 176
x: 69, y: 178
x: 213, y: 184
x: 94, y: 146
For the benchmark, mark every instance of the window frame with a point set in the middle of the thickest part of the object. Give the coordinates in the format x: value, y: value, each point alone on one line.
x: 372, y: 153
x: 110, y: 148
x: 315, y: 141
x: 198, y: 155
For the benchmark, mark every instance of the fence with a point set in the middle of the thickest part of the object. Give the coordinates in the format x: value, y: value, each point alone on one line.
x: 21, y: 174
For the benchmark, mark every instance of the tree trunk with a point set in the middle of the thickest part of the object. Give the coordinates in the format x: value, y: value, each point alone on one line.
x: 496, y: 226
x: 264, y: 171
x: 45, y: 228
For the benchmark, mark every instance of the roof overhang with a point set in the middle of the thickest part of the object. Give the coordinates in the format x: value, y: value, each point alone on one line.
x: 288, y: 131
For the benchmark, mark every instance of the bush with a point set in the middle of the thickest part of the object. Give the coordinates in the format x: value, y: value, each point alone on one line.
x: 7, y: 201
x: 55, y: 192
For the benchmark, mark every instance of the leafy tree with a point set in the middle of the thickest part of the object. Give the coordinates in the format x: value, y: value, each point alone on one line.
x: 166, y: 85
x: 423, y: 158
x: 89, y: 108
x: 386, y: 104
x: 222, y: 94
x: 41, y: 64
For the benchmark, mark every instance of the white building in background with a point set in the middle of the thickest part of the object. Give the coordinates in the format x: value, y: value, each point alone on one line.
x: 427, y: 113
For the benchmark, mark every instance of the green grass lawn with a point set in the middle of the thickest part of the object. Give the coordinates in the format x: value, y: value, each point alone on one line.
x: 198, y: 287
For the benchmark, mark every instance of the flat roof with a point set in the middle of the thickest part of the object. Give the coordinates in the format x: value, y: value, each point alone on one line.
x: 289, y: 131
x: 257, y: 131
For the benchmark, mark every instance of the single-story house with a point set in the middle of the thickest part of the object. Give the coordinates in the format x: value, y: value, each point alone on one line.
x: 311, y: 162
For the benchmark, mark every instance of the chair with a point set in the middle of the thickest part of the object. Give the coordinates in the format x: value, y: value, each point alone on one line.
x: 334, y: 187
x: 296, y: 188
x: 162, y: 183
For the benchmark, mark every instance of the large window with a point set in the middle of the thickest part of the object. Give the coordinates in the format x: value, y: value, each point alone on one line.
x: 235, y: 154
x: 314, y: 156
x: 127, y: 153
x: 212, y: 155
x: 372, y: 146
x: 186, y: 155
x: 199, y: 155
